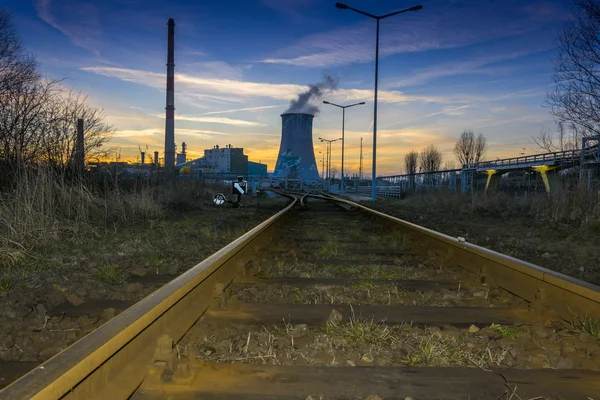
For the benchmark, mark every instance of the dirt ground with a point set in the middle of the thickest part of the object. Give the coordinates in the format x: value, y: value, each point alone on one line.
x: 105, y: 266
x: 560, y: 247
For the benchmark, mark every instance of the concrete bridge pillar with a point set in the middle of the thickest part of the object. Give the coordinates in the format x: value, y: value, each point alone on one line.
x: 543, y: 171
x: 492, y: 179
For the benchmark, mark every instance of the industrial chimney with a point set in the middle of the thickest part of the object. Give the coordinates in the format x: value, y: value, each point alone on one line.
x: 170, y: 109
x: 296, y: 158
x: 156, y: 158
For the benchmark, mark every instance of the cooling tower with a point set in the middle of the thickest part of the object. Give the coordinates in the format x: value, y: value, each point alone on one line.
x: 296, y: 158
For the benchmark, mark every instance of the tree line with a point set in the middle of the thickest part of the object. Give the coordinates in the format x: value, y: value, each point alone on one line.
x: 469, y: 148
x: 38, y: 115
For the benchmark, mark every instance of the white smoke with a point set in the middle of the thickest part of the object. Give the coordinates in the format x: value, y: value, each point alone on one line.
x: 302, y: 105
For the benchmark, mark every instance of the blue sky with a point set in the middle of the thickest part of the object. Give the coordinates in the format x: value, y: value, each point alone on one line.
x: 472, y: 64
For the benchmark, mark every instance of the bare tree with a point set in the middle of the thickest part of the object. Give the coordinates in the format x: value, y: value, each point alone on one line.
x: 450, y: 164
x: 576, y: 97
x: 16, y: 66
x: 60, y: 141
x: 470, y: 148
x: 410, y: 162
x: 430, y: 159
x: 38, y: 116
x: 566, y: 137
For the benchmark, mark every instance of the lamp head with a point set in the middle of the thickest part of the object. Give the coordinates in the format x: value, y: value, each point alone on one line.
x: 325, y: 102
x: 341, y: 6
x: 416, y: 8
x: 361, y: 103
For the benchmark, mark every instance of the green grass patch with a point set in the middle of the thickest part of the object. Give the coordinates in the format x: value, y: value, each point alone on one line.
x: 511, y: 332
x: 584, y: 324
x: 110, y: 274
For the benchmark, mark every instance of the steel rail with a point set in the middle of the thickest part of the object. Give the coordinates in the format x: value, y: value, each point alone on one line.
x: 111, y: 362
x: 545, y: 289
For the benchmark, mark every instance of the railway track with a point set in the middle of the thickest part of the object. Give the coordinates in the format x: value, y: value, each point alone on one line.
x: 331, y: 300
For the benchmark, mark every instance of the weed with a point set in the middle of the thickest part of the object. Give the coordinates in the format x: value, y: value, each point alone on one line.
x: 329, y: 249
x: 506, y: 331
x: 8, y: 282
x: 584, y: 324
x: 111, y: 274
x: 361, y: 285
x: 394, y: 240
x: 436, y: 350
x: 359, y: 331
x: 354, y: 235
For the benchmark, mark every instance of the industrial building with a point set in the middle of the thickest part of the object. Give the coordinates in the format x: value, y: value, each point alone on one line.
x: 223, y: 161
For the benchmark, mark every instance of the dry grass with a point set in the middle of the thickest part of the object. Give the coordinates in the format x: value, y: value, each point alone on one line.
x: 42, y: 207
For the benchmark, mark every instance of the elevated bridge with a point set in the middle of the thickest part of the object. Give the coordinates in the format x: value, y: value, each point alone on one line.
x: 546, y: 164
x: 543, y: 163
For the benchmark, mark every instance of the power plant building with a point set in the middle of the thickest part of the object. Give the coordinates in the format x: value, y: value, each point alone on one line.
x: 226, y: 160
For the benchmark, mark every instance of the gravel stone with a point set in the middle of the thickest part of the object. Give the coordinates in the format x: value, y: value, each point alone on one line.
x: 108, y: 313
x: 22, y: 311
x: 75, y: 299
x: 40, y: 309
x: 335, y: 317
x: 540, y: 333
x: 133, y: 288
x: 473, y: 329
x: 564, y: 363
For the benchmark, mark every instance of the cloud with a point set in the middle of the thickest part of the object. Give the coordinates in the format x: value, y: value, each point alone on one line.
x: 137, y: 133
x: 214, y: 120
x: 213, y: 69
x: 240, y: 109
x: 199, y: 133
x: 76, y: 20
x: 441, y: 25
x: 205, y: 87
x: 424, y: 75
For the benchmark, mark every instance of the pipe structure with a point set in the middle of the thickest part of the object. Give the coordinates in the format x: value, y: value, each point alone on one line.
x: 170, y: 108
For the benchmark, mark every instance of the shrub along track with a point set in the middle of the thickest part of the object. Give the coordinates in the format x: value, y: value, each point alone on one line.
x: 332, y: 303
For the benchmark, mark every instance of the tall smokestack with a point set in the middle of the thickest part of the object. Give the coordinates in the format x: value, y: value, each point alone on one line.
x: 170, y: 109
x: 156, y: 158
x: 296, y: 158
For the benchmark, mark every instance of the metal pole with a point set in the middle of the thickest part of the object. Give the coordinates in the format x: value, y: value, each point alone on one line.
x: 343, y: 121
x: 374, y: 179
x: 329, y: 169
x: 360, y: 168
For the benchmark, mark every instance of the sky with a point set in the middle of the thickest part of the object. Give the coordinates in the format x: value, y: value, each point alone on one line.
x: 454, y: 65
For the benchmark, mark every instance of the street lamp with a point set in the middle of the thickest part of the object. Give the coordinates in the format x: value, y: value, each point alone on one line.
x: 329, y: 159
x: 377, y: 18
x: 322, y: 164
x: 343, y: 122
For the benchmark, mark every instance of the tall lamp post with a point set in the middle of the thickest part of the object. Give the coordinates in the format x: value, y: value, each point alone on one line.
x: 322, y: 164
x: 329, y: 159
x: 343, y: 123
x: 377, y: 18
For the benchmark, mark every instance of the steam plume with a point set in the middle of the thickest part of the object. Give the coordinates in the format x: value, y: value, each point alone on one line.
x: 302, y: 105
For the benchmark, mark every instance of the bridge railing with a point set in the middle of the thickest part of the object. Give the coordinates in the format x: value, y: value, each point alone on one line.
x: 557, y: 156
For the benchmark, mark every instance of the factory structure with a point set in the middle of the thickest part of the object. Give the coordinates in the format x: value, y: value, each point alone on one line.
x: 226, y: 160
